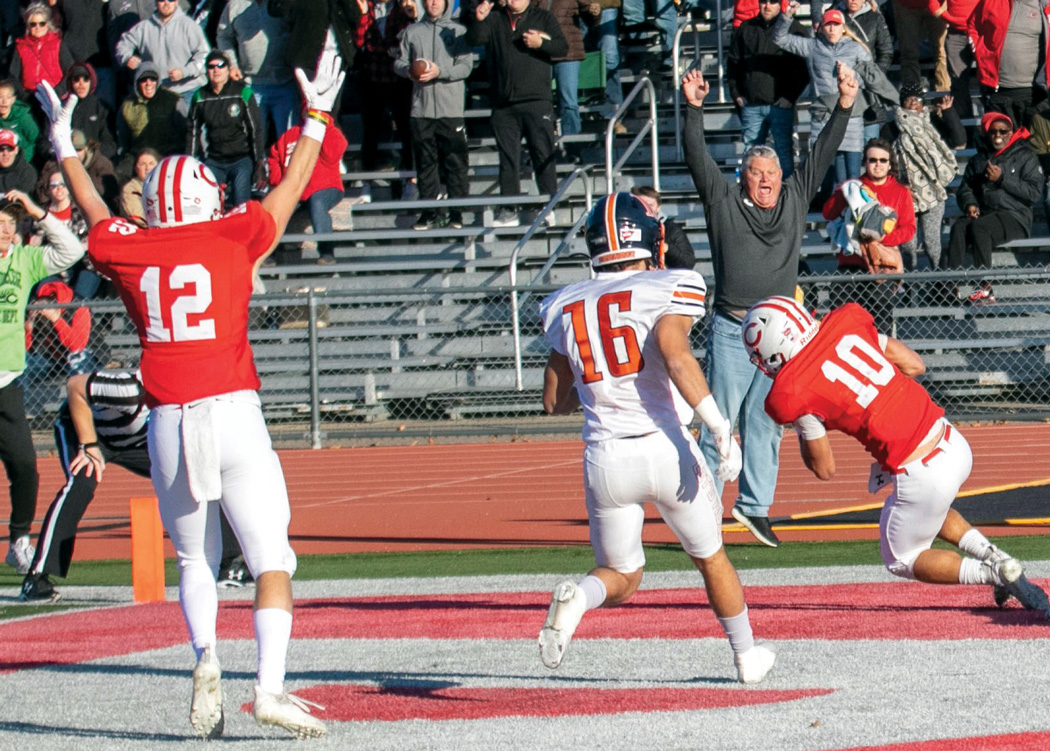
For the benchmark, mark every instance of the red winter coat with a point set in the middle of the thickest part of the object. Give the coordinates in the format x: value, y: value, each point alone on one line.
x: 326, y: 171
x: 987, y: 31
x: 892, y: 194
x: 40, y: 60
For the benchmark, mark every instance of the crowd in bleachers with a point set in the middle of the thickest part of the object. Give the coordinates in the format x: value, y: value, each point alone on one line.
x: 215, y: 80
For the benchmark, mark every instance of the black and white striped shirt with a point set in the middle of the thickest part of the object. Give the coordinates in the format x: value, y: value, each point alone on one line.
x: 118, y: 406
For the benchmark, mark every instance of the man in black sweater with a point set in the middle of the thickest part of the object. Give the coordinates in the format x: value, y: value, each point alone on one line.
x: 756, y: 233
x: 521, y: 39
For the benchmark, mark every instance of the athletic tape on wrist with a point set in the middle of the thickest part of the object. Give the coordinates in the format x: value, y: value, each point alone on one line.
x: 313, y: 128
x: 709, y: 414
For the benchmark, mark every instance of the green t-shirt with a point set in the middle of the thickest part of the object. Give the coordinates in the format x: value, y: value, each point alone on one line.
x: 19, y: 272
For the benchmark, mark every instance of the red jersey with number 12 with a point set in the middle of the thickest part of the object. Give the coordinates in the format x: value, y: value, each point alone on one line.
x: 187, y: 290
x: 843, y: 377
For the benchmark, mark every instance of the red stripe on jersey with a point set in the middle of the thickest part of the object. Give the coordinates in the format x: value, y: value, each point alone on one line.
x: 175, y: 194
x: 689, y: 295
x: 160, y: 191
x: 610, y: 223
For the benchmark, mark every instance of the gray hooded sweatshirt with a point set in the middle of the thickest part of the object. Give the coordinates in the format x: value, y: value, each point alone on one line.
x: 441, y: 41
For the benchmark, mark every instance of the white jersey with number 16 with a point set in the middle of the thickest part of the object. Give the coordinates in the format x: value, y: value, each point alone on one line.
x: 604, y: 327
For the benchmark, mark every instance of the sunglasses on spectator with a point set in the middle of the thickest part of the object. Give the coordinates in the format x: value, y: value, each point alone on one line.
x: 81, y: 77
x: 218, y: 64
x: 6, y: 149
x: 878, y: 160
x: 1000, y: 131
x: 56, y: 185
x: 36, y: 24
x: 769, y: 2
x: 148, y: 78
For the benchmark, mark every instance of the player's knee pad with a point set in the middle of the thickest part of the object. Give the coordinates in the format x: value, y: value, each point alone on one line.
x: 902, y: 565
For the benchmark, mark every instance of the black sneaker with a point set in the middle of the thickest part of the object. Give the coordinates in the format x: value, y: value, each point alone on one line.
x: 38, y: 588
x: 759, y: 526
x: 455, y: 219
x: 506, y: 218
x: 427, y: 220
x: 234, y: 573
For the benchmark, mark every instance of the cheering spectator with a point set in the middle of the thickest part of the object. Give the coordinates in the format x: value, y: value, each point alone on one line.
x: 40, y: 54
x: 91, y: 116
x: 15, y: 172
x: 926, y: 163
x: 765, y: 81
x: 1009, y: 41
x: 16, y: 116
x: 521, y: 39
x: 255, y: 43
x: 439, y: 136
x: 999, y: 187
x: 131, y: 194
x: 225, y: 131
x: 150, y: 116
x: 173, y: 42
x: 121, y: 15
x: 876, y: 256
x: 385, y: 94
x: 323, y: 191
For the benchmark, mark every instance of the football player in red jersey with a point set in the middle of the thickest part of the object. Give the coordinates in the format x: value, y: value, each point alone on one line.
x: 186, y: 281
x: 842, y: 374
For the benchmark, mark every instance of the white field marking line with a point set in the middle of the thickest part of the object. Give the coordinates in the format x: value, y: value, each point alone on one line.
x: 430, y: 486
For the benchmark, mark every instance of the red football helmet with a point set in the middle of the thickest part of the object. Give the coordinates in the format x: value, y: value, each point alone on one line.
x: 181, y: 190
x: 775, y: 330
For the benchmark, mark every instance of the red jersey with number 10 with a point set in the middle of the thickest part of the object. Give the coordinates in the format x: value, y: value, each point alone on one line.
x: 843, y: 377
x: 187, y: 290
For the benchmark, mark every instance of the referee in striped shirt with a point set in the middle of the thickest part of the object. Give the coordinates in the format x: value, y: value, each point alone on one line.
x: 103, y: 421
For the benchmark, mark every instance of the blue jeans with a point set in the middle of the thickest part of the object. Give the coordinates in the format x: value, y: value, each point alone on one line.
x: 567, y: 76
x: 762, y: 120
x: 663, y: 13
x: 237, y: 176
x: 319, y: 205
x: 740, y: 391
x: 605, y: 37
x: 848, y: 164
x: 279, y: 104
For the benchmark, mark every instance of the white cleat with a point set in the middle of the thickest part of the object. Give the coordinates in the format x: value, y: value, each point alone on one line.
x: 289, y: 712
x: 566, y: 611
x: 20, y: 554
x: 206, y: 715
x: 753, y: 665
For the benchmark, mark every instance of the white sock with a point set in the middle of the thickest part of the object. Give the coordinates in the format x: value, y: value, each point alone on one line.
x: 976, y: 544
x: 972, y: 571
x: 273, y: 631
x: 738, y: 631
x: 594, y: 592
x: 200, y: 604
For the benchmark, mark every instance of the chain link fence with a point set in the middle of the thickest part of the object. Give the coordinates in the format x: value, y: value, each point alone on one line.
x: 405, y: 364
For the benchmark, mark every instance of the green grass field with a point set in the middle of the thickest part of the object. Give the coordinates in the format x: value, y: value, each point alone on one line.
x: 519, y: 561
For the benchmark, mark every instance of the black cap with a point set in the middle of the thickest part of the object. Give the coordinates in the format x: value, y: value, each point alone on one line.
x: 216, y: 55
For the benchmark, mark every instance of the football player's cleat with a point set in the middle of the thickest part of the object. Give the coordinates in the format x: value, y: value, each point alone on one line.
x: 753, y: 665
x: 206, y: 715
x: 566, y: 610
x: 289, y: 712
x: 775, y: 330
x: 1010, y: 575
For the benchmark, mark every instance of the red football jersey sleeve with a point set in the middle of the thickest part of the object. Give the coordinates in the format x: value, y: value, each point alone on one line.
x: 187, y: 290
x: 843, y: 377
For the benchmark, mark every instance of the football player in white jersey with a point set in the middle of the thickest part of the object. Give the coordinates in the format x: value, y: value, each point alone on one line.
x: 620, y: 348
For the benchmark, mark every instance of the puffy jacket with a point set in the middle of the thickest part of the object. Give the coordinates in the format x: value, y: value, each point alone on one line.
x: 442, y: 41
x: 21, y: 121
x: 870, y: 28
x: 37, y: 60
x: 568, y: 14
x: 1020, y: 186
x: 987, y: 31
x: 159, y: 123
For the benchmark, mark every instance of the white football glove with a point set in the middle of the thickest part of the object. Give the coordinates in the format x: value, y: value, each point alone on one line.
x: 320, y: 93
x: 61, y: 118
x: 730, y: 458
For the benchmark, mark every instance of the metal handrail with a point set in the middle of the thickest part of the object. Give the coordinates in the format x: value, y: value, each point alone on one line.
x: 676, y: 58
x: 513, y: 267
x: 649, y: 127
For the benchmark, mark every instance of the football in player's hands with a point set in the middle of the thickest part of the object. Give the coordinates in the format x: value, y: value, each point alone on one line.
x: 420, y: 67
